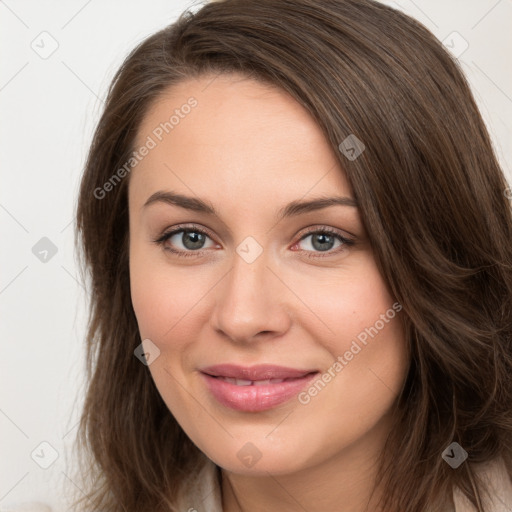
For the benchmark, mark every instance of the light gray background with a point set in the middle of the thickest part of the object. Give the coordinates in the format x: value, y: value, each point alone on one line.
x: 49, y: 109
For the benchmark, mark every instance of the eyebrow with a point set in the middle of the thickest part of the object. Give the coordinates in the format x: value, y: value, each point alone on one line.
x: 294, y: 208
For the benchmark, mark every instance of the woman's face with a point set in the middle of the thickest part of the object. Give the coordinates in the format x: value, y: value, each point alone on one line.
x: 256, y: 280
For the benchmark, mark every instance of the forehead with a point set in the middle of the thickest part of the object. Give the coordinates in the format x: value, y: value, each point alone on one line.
x: 227, y: 102
x: 214, y: 134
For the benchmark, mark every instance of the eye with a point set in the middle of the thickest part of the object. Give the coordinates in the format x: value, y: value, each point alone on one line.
x: 323, y: 241
x: 192, y: 240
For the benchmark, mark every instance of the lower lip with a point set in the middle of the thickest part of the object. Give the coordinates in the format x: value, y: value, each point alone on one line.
x: 255, y: 398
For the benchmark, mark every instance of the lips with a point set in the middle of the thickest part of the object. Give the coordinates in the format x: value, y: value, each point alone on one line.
x: 256, y: 388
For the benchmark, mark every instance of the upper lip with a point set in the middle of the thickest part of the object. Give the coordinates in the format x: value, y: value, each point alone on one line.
x: 257, y: 372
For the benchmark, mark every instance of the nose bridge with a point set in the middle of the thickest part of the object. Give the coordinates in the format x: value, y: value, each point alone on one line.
x: 247, y: 303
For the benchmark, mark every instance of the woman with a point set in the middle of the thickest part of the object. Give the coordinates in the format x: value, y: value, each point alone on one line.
x: 300, y: 247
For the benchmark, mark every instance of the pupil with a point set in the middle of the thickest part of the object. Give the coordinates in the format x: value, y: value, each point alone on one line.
x: 325, y: 241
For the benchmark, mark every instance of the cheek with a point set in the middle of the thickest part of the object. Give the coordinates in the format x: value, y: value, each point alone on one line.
x: 152, y: 303
x: 160, y: 297
x: 346, y: 303
x: 163, y: 301
x: 362, y: 329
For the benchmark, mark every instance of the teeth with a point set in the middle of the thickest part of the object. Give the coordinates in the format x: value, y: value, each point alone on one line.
x: 261, y: 382
x: 244, y: 382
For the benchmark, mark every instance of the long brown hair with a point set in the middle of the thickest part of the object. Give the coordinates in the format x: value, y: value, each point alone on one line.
x: 433, y: 201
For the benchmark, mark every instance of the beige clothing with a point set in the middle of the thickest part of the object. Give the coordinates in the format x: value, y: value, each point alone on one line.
x: 495, y: 475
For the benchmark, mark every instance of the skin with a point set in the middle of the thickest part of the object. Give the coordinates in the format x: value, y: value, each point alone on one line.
x: 250, y: 149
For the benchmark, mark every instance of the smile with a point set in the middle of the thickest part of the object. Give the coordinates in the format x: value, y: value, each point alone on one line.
x: 269, y: 386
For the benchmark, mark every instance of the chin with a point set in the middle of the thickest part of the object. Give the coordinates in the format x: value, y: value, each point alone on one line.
x: 259, y: 458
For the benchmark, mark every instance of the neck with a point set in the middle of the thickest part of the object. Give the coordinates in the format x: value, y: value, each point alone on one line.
x: 344, y: 481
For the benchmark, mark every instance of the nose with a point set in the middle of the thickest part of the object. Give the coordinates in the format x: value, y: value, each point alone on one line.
x: 251, y: 302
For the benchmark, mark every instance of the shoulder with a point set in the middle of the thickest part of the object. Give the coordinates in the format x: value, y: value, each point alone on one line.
x: 495, y: 476
x: 202, y: 491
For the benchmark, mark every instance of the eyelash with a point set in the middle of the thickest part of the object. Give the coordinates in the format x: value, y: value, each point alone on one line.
x: 346, y: 242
